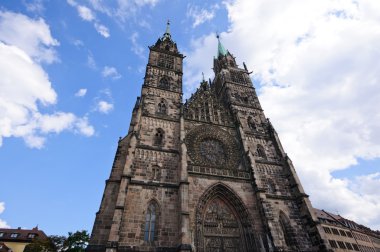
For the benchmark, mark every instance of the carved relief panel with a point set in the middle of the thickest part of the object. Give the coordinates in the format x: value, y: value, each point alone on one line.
x: 221, y: 231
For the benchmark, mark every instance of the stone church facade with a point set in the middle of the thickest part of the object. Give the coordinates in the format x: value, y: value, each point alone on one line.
x: 208, y: 174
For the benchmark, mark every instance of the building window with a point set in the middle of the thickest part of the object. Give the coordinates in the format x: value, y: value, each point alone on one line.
x: 1, y: 234
x: 271, y: 186
x: 356, y: 248
x: 159, y: 137
x: 333, y: 244
x: 342, y: 233
x: 348, y: 246
x: 166, y: 61
x: 150, y: 223
x: 261, y: 151
x: 349, y: 234
x: 287, y: 230
x: 335, y: 231
x: 341, y: 245
x: 251, y: 123
x: 31, y: 236
x: 14, y: 235
x: 237, y: 76
x: 327, y: 230
x: 162, y: 108
x: 164, y: 83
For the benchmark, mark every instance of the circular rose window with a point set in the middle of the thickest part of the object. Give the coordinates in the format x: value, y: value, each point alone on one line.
x: 213, y: 151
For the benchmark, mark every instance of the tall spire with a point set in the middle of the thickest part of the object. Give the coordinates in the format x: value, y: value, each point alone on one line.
x: 221, y: 50
x: 167, y: 31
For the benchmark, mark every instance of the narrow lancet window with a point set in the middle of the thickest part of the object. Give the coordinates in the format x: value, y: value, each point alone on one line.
x: 150, y: 223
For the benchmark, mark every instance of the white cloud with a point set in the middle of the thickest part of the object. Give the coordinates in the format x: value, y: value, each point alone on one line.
x: 85, y: 13
x: 200, y: 15
x: 81, y: 92
x: 122, y: 10
x: 104, y: 107
x: 3, y: 224
x: 102, y: 30
x: 88, y: 15
x: 30, y: 35
x: 25, y: 86
x: 136, y: 47
x: 34, y: 6
x: 111, y: 72
x: 317, y: 64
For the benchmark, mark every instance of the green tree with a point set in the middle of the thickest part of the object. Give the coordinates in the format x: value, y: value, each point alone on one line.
x: 76, y: 242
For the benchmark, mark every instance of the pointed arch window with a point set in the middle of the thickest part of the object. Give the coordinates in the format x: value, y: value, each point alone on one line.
x: 164, y: 83
x: 159, y: 136
x: 150, y: 222
x: 287, y: 230
x: 261, y: 151
x: 162, y: 108
x: 251, y: 123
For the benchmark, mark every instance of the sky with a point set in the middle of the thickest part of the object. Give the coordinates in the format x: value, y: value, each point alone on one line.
x: 71, y: 71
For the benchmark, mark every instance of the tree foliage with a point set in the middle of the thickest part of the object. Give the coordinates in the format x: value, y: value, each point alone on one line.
x: 74, y: 242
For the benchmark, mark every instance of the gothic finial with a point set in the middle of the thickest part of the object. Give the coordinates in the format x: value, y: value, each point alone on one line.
x: 203, y: 76
x: 221, y: 50
x: 167, y: 31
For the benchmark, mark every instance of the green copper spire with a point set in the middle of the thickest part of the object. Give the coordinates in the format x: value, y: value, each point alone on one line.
x: 221, y: 50
x: 167, y: 32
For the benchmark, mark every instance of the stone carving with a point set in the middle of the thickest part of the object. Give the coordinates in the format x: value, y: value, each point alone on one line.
x: 212, y: 150
x: 213, y: 147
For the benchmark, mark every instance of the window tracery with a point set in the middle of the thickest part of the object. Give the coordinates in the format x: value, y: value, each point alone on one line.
x: 164, y: 83
x: 261, y: 152
x: 166, y: 61
x: 287, y: 230
x: 162, y: 108
x: 159, y: 137
x: 150, y: 222
x: 238, y: 77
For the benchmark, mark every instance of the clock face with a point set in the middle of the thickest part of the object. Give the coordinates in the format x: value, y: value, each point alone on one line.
x: 212, y: 150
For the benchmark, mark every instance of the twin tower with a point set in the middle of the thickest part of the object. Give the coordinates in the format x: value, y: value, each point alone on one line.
x: 207, y: 175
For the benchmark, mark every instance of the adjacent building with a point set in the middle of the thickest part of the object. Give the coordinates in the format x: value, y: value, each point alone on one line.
x: 17, y: 239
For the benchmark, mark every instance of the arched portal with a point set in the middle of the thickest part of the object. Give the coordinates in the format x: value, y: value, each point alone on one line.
x: 223, y: 222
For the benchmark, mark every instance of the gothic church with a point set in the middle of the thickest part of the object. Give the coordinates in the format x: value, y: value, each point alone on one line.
x: 208, y: 174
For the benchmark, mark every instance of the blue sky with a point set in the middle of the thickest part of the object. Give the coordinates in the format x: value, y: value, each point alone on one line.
x: 73, y: 70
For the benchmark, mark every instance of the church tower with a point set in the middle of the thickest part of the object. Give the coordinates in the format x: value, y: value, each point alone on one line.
x: 208, y: 174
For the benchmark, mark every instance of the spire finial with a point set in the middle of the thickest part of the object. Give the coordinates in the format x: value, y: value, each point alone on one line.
x: 203, y: 76
x: 167, y: 31
x: 221, y: 50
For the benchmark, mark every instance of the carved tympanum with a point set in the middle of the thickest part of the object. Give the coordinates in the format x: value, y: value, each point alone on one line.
x: 220, y: 228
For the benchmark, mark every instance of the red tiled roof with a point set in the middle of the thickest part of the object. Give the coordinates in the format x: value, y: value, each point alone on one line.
x: 24, y: 235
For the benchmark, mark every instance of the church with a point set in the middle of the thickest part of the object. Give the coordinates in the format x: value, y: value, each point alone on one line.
x: 207, y: 174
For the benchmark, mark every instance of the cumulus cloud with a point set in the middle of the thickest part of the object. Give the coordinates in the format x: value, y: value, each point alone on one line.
x: 317, y: 72
x: 88, y: 15
x: 3, y: 224
x: 200, y: 15
x: 25, y: 86
x: 30, y: 35
x: 81, y: 92
x: 104, y: 107
x: 111, y: 72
